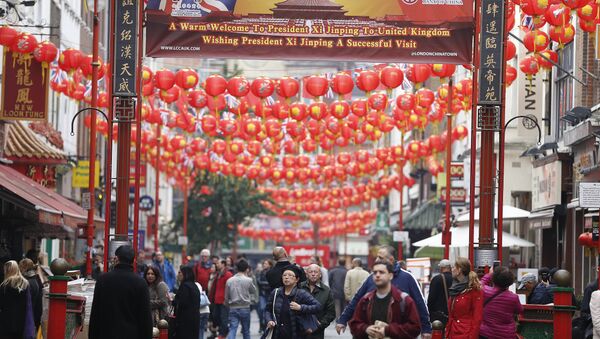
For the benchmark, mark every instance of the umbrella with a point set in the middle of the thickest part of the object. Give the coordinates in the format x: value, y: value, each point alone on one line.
x: 460, y: 238
x: 508, y: 213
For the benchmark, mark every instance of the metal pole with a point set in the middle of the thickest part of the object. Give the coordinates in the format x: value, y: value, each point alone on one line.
x: 138, y: 141
x: 400, y: 212
x: 92, y: 166
x: 156, y: 195
x: 185, y: 221
x: 446, y: 233
x: 474, y: 134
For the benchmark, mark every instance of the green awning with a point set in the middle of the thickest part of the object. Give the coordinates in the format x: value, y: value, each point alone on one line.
x: 425, y: 217
x: 435, y: 253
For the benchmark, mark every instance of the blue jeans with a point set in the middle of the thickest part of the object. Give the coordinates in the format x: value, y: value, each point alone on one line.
x: 203, y: 324
x: 260, y: 309
x: 237, y: 316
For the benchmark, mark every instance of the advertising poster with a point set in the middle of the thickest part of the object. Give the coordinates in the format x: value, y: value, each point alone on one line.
x: 420, y: 31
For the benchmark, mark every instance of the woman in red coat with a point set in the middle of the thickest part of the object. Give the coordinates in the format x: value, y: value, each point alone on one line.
x: 465, y: 303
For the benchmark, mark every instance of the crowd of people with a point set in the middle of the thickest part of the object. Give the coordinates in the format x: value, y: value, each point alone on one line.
x: 214, y: 297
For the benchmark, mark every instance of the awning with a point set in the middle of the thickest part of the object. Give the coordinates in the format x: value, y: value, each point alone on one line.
x: 542, y: 217
x: 436, y: 253
x: 425, y: 217
x: 51, y: 207
x: 508, y: 213
x: 460, y: 238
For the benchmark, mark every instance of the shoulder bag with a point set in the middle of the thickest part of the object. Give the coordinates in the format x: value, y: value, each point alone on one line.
x: 203, y: 297
x: 307, y: 322
x: 269, y: 332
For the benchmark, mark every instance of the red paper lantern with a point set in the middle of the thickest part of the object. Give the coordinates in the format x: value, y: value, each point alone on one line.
x: 536, y: 40
x: 215, y: 85
x: 378, y: 101
x: 262, y: 87
x: 367, y: 80
x: 510, y: 75
x: 575, y: 4
x: 8, y: 36
x: 146, y: 75
x: 529, y: 65
x: 589, y: 12
x: 588, y: 26
x: 186, y: 78
x: 534, y: 7
x: 558, y: 15
x: 86, y: 67
x: 585, y: 239
x: 24, y: 43
x: 287, y: 87
x: 208, y: 124
x: 148, y: 89
x: 511, y: 50
x: 69, y: 59
x: 548, y: 54
x: 418, y: 73
x: 443, y: 70
x: 170, y: 95
x: 45, y: 52
x: 298, y: 111
x: 164, y: 79
x: 217, y: 103
x: 391, y: 77
x: 459, y: 132
x: 359, y: 107
x: 342, y: 84
x: 339, y: 109
x: 197, y: 98
x: 562, y: 35
x: 405, y: 101
x: 317, y: 85
x: 238, y: 86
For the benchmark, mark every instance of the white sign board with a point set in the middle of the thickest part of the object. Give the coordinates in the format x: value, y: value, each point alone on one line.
x: 85, y: 200
x: 589, y: 194
x: 400, y: 236
x: 545, y: 185
x: 182, y: 240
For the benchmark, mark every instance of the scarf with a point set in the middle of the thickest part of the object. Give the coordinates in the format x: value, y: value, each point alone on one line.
x: 458, y: 287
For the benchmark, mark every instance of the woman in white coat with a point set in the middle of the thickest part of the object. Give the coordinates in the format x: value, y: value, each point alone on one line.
x: 595, y: 311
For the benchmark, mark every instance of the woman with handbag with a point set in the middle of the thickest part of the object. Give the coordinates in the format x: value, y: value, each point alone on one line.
x: 204, y: 310
x: 159, y: 294
x: 186, y: 306
x: 499, y: 306
x: 465, y: 303
x: 290, y: 311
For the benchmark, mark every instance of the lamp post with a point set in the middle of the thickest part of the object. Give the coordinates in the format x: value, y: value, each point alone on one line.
x: 446, y: 233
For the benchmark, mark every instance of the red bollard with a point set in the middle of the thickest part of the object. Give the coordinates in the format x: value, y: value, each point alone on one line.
x: 563, y: 308
x: 438, y: 330
x: 57, y: 305
x: 163, y: 328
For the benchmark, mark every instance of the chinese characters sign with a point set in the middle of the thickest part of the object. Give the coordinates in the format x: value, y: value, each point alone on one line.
x: 491, y: 58
x: 24, y: 88
x: 125, y: 52
x: 424, y: 31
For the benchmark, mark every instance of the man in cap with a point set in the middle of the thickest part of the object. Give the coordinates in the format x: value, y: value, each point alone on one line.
x: 121, y: 305
x: 437, y: 301
x: 537, y: 292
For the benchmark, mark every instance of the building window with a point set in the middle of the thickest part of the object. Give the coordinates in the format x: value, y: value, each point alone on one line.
x: 564, y: 86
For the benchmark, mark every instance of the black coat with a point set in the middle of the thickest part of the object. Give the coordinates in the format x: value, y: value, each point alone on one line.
x: 12, y: 312
x: 37, y: 292
x: 121, y: 306
x: 187, y: 311
x: 309, y: 304
x: 437, y: 302
x: 327, y: 313
x: 275, y: 273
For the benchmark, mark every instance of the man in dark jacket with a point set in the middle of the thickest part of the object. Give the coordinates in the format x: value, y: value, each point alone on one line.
x: 337, y: 277
x: 282, y: 261
x: 323, y: 295
x: 121, y: 305
x: 437, y: 301
x: 402, y: 280
x: 386, y: 311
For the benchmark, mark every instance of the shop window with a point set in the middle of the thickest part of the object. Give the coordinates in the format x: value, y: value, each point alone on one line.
x: 564, y: 86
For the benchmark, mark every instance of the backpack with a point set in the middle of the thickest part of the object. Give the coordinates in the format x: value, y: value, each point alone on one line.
x: 203, y: 297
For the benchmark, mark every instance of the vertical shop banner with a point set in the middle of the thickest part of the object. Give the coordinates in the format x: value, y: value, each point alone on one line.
x: 143, y: 170
x: 423, y: 31
x: 125, y: 52
x: 491, y: 59
x: 24, y: 88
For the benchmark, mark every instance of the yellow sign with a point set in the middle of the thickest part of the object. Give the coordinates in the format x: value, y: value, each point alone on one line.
x: 81, y: 174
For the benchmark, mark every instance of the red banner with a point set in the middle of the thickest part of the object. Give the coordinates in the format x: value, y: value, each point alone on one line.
x: 302, y: 254
x: 419, y: 31
x: 24, y: 88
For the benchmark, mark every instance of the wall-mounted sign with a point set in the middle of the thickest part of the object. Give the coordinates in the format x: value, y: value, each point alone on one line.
x: 24, y: 88
x: 457, y: 170
x: 589, y: 194
x: 125, y: 51
x: 545, y: 185
x: 419, y: 31
x: 81, y: 174
x: 491, y: 58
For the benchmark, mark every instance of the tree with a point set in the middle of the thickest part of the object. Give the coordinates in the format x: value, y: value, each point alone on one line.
x: 217, y: 205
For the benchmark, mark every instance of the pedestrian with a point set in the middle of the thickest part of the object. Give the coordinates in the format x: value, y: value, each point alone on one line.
x: 437, y: 300
x: 264, y: 290
x: 202, y: 268
x: 324, y: 272
x: 97, y: 266
x: 537, y: 292
x: 324, y: 296
x: 386, y: 311
x: 186, y: 306
x: 402, y: 280
x: 159, y: 294
x: 595, y: 313
x: 121, y: 304
x: 229, y: 263
x: 141, y: 263
x: 204, y: 310
x: 466, y: 302
x: 282, y: 261
x: 337, y: 277
x: 500, y: 306
x: 29, y: 272
x: 219, y: 311
x: 239, y: 295
x: 354, y: 279
x: 16, y: 312
x: 166, y: 269
x: 212, y: 323
x: 287, y: 304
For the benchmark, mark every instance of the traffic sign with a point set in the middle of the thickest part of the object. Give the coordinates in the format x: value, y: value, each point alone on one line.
x: 86, y: 200
x: 400, y: 236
